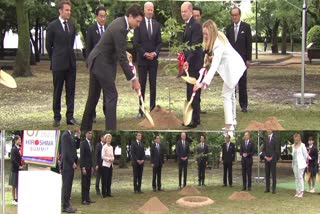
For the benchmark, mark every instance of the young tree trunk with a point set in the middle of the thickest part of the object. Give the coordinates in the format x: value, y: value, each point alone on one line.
x: 284, y: 37
x: 123, y: 158
x: 274, y: 36
x: 36, y: 38
x: 22, y: 66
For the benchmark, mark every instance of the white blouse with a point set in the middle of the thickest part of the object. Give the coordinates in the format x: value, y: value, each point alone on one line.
x: 107, y: 155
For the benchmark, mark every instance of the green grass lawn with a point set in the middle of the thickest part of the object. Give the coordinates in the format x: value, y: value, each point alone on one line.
x: 125, y: 201
x: 270, y: 91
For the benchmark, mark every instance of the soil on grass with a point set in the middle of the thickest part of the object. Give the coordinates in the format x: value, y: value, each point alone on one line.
x: 162, y: 118
x: 241, y: 196
x: 270, y: 123
x: 153, y: 206
x: 194, y: 201
x: 189, y: 190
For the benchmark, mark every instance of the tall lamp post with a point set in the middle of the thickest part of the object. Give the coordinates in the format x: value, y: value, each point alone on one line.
x: 256, y: 29
x: 303, y: 45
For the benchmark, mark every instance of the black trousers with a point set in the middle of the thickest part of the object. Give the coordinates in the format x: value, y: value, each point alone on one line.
x: 67, y: 180
x: 195, y: 103
x: 183, y: 165
x: 270, y: 167
x: 94, y: 115
x: 98, y: 178
x: 59, y: 78
x: 85, y: 185
x: 105, y: 81
x: 227, y: 172
x: 150, y: 68
x: 243, y: 95
x: 137, y: 176
x: 246, y: 172
x: 201, y: 172
x: 156, y: 175
x: 106, y: 180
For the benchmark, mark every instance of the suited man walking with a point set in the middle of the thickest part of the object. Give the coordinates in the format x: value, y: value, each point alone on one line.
x: 94, y: 33
x: 147, y: 41
x: 202, y: 160
x: 270, y: 155
x: 182, y: 149
x: 228, y: 156
x: 98, y: 149
x: 193, y: 57
x: 246, y: 151
x: 60, y: 38
x: 68, y: 166
x: 137, y: 160
x: 86, y: 166
x: 102, y: 65
x: 239, y: 36
x: 157, y: 160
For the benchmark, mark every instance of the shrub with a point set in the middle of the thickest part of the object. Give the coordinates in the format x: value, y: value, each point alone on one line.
x: 314, y: 36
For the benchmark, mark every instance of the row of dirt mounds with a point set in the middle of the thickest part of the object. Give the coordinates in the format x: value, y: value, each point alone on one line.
x: 270, y: 123
x: 190, y: 199
x: 162, y: 118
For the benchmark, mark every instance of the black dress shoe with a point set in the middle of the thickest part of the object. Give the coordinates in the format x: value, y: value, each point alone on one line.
x: 266, y: 191
x: 192, y: 125
x: 91, y: 201
x: 244, y: 110
x: 56, y: 123
x: 72, y: 122
x: 160, y: 190
x: 69, y: 210
x: 202, y: 112
x: 85, y: 203
x: 244, y: 189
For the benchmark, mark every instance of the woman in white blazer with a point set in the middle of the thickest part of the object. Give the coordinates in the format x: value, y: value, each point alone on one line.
x: 299, y: 163
x: 228, y: 63
x: 107, y: 165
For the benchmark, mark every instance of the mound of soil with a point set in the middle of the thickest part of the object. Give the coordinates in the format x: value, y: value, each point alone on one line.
x: 189, y: 190
x: 194, y: 201
x: 270, y: 123
x: 153, y: 206
x: 241, y: 196
x: 162, y: 118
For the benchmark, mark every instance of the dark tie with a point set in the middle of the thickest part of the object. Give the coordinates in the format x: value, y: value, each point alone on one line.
x: 101, y: 30
x: 66, y: 26
x: 149, y: 28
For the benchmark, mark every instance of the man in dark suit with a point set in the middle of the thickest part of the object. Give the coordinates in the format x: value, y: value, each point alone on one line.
x: 246, y: 151
x: 228, y: 156
x: 193, y: 57
x: 157, y: 160
x: 94, y: 33
x: 147, y: 41
x: 137, y: 160
x: 202, y: 160
x: 86, y: 168
x: 182, y: 149
x: 68, y: 166
x: 98, y: 149
x: 239, y: 36
x: 102, y: 64
x: 59, y: 44
x: 197, y: 13
x: 270, y: 155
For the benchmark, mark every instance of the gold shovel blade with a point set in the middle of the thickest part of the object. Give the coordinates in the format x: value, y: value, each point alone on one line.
x: 190, y: 80
x: 7, y: 80
x: 187, y: 113
x: 148, y: 116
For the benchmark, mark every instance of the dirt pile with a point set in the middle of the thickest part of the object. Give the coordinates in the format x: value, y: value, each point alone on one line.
x: 153, y: 206
x: 241, y: 196
x: 189, y: 190
x: 194, y: 201
x: 163, y: 119
x: 270, y: 123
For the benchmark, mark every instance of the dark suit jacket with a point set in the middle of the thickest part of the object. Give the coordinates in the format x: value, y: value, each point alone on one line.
x: 59, y: 45
x: 249, y: 150
x: 68, y: 151
x: 93, y: 37
x: 313, y: 153
x: 137, y: 152
x: 228, y: 156
x: 112, y: 47
x: 203, y: 151
x: 157, y: 158
x: 98, y: 154
x: 270, y: 149
x: 85, y: 154
x: 15, y: 159
x: 142, y: 43
x: 244, y: 40
x: 182, y: 152
x: 193, y: 35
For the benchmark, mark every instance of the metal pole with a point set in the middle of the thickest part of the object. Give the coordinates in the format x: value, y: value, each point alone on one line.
x: 258, y: 156
x: 304, y: 7
x: 256, y: 29
x: 2, y: 140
